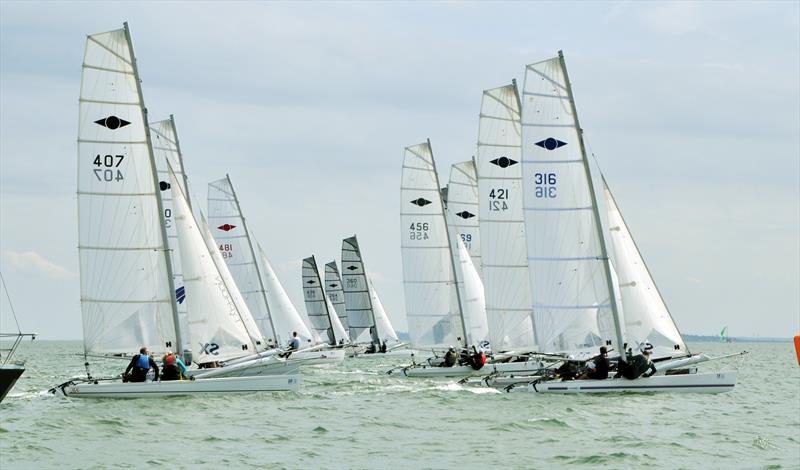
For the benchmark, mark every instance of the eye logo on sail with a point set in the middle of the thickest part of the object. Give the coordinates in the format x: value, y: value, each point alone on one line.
x: 550, y: 143
x: 421, y: 202
x: 112, y: 122
x: 226, y: 227
x: 163, y: 185
x: 310, y: 281
x: 503, y: 162
x: 352, y: 268
x: 332, y: 285
x: 180, y: 294
x: 465, y: 215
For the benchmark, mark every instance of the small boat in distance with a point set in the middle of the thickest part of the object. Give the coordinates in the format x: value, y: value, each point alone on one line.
x: 10, y: 371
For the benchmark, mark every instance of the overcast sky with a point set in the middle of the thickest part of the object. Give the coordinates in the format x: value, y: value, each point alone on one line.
x: 692, y: 109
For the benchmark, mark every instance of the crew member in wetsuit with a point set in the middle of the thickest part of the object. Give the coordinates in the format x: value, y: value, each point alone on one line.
x: 598, y: 366
x: 383, y: 346
x: 451, y: 357
x: 173, y: 367
x: 139, y: 366
x: 294, y: 342
x: 478, y: 359
x: 639, y: 365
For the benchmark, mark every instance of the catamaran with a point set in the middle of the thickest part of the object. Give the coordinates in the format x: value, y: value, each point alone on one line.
x: 10, y: 370
x: 368, y: 320
x: 583, y: 298
x: 319, y: 309
x: 128, y: 294
x: 275, y: 315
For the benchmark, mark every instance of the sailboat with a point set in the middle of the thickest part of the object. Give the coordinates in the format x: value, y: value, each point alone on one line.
x: 367, y: 318
x: 275, y: 315
x: 128, y: 296
x: 10, y: 371
x: 723, y: 335
x: 439, y: 316
x: 583, y: 298
x: 319, y: 309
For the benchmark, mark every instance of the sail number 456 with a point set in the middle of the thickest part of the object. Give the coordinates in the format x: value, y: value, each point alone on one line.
x: 418, y: 231
x: 545, y: 185
x: 107, y: 165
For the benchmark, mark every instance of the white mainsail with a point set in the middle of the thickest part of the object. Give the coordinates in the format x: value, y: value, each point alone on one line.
x: 384, y: 327
x: 234, y: 242
x: 472, y: 298
x: 167, y: 151
x: 569, y: 268
x: 646, y: 315
x: 319, y: 309
x: 127, y: 298
x: 285, y: 315
x: 220, y: 324
x: 462, y: 207
x: 432, y: 298
x: 335, y: 292
x: 503, y: 246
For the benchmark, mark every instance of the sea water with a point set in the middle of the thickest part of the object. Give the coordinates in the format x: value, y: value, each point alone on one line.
x: 353, y: 415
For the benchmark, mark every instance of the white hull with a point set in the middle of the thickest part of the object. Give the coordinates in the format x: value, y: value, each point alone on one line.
x: 394, y: 353
x: 419, y: 370
x: 312, y: 358
x: 267, y: 383
x: 691, y: 383
x: 262, y: 366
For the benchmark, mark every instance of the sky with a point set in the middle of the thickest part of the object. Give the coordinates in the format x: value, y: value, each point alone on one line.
x: 691, y: 108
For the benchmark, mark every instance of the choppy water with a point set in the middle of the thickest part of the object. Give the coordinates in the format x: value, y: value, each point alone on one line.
x: 354, y: 416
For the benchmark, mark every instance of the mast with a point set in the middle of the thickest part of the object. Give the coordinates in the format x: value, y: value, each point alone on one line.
x: 180, y: 160
x: 519, y: 107
x: 159, y: 203
x: 596, y: 213
x: 450, y: 250
x: 253, y: 253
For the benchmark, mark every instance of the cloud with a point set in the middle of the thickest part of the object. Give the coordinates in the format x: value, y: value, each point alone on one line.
x: 32, y: 262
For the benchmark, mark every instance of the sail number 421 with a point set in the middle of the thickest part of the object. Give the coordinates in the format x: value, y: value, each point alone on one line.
x: 545, y: 185
x: 107, y: 167
x: 498, y: 199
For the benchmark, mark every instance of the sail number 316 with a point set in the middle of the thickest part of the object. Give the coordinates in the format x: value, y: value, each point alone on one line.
x: 545, y: 185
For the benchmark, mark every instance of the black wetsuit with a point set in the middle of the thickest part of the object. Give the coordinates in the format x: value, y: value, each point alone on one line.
x: 170, y: 372
x: 450, y: 358
x: 600, y: 371
x: 135, y: 373
x: 637, y: 366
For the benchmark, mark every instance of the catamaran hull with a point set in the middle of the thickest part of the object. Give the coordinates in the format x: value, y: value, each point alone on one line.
x: 312, y: 358
x: 9, y: 373
x: 686, y: 383
x: 255, y: 368
x: 267, y: 383
x: 426, y: 371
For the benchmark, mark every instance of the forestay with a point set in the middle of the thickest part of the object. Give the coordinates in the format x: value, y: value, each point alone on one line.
x: 220, y: 324
x: 432, y: 305
x: 568, y: 266
x: 166, y: 150
x: 646, y: 315
x: 361, y: 317
x: 334, y: 291
x: 234, y: 242
x: 126, y: 298
x: 462, y: 208
x: 503, y: 245
x: 320, y: 311
x: 285, y: 316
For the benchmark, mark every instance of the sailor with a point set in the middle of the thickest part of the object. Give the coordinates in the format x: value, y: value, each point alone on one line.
x: 383, y: 346
x: 451, y: 357
x: 478, y: 359
x: 371, y: 349
x: 597, y: 367
x: 639, y: 365
x: 294, y: 342
x: 139, y: 366
x: 173, y: 367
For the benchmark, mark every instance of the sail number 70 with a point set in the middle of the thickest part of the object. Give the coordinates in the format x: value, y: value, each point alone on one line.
x: 545, y: 185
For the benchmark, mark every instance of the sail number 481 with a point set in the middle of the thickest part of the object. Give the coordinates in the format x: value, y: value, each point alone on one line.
x: 106, y: 167
x: 418, y: 231
x: 545, y: 185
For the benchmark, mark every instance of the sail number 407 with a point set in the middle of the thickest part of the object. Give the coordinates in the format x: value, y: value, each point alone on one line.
x: 545, y: 185
x: 418, y: 231
x: 107, y: 167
